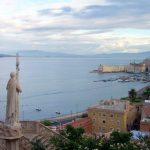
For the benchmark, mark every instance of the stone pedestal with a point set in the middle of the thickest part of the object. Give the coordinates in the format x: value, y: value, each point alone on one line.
x: 12, y: 144
x: 11, y: 136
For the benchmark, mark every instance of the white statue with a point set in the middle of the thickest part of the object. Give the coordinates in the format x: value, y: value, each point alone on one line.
x: 13, y: 89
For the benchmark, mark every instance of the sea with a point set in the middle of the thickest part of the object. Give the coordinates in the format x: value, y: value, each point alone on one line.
x: 64, y: 85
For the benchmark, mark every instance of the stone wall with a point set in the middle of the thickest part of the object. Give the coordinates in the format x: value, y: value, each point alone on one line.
x: 136, y: 67
x: 35, y: 127
x: 34, y: 130
x: 107, y: 69
x: 132, y: 67
x: 2, y: 144
x: 31, y: 131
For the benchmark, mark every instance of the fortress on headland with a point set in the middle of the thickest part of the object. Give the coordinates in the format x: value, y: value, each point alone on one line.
x: 130, y: 68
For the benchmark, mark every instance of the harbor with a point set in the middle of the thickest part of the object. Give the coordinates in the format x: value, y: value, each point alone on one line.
x: 128, y: 78
x: 135, y: 72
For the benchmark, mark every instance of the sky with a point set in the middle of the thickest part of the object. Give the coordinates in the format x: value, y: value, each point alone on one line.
x: 75, y: 26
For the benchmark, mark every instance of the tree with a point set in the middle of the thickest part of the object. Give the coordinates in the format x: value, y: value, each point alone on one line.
x: 74, y: 139
x: 132, y: 95
x: 125, y: 146
x: 122, y: 141
x: 37, y: 145
x: 69, y: 139
x: 120, y: 137
x: 94, y: 143
x: 147, y: 93
x: 46, y: 122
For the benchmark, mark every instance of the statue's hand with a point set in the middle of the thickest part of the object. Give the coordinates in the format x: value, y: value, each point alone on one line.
x: 19, y: 90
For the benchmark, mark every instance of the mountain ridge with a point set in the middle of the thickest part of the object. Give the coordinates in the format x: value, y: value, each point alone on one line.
x: 41, y: 53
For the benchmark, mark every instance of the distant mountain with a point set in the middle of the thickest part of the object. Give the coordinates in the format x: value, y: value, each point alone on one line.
x: 5, y: 55
x: 124, y: 55
x: 36, y: 53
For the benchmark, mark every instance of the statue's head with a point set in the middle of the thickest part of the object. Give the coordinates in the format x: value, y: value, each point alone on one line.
x: 12, y: 74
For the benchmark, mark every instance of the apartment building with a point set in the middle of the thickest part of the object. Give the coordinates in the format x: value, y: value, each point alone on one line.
x: 145, y: 118
x: 112, y: 115
x: 136, y: 67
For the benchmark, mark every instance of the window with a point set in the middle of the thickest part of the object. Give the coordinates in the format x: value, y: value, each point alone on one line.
x: 104, y: 115
x: 111, y: 115
x: 104, y: 121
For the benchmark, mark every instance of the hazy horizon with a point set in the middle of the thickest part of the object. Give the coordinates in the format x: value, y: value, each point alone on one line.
x: 53, y: 53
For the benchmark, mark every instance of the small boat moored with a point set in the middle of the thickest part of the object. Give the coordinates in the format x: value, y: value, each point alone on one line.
x: 38, y: 109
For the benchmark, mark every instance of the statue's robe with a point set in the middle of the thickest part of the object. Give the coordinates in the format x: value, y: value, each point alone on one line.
x: 11, y: 108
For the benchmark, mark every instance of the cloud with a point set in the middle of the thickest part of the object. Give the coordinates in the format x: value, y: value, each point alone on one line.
x: 56, y: 11
x: 87, y: 26
x: 116, y: 14
x: 123, y: 44
x: 114, y: 8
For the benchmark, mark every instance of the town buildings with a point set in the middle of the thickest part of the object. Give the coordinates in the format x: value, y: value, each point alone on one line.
x: 145, y: 118
x: 147, y: 64
x: 112, y: 115
x: 136, y: 68
x: 85, y: 123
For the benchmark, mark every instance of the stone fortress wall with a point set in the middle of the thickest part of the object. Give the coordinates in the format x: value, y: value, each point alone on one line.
x: 130, y: 68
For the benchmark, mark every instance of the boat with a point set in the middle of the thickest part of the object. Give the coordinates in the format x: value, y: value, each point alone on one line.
x: 120, y: 80
x: 58, y: 113
x: 38, y: 109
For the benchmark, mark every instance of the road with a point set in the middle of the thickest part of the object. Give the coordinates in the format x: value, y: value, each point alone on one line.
x: 62, y: 118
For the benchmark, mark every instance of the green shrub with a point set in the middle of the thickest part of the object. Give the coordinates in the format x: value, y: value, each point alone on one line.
x: 46, y: 122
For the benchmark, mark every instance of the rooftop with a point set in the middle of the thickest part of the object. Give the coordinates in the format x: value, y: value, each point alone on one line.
x: 137, y: 64
x: 146, y: 113
x: 112, y: 105
x: 146, y: 110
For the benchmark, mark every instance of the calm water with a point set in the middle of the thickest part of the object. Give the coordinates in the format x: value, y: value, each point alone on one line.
x: 61, y: 84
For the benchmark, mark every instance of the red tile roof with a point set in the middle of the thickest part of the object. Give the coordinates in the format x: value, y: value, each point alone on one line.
x: 146, y: 110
